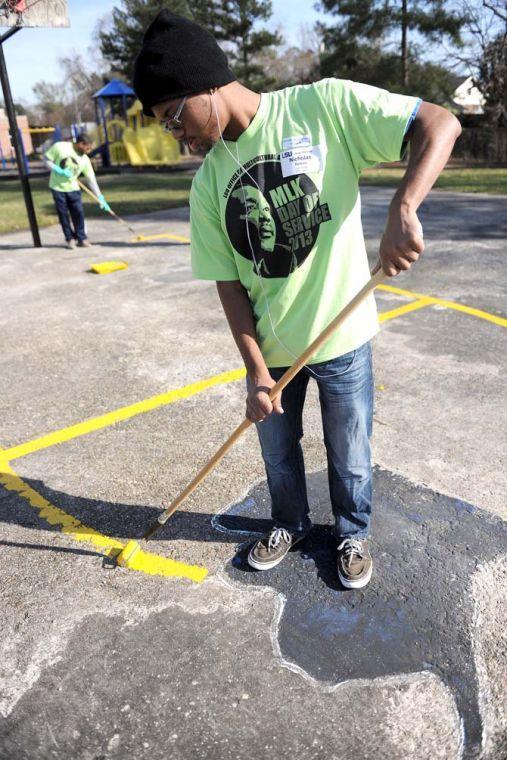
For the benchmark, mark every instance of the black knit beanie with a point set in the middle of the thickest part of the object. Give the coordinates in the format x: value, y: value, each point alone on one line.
x: 178, y: 57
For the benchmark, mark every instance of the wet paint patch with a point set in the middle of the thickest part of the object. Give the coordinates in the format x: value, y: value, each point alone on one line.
x: 416, y: 614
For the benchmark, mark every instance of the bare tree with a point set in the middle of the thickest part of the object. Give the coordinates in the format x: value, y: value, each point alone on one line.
x: 70, y: 100
x: 497, y: 7
x: 290, y: 64
x: 484, y: 55
x: 80, y: 82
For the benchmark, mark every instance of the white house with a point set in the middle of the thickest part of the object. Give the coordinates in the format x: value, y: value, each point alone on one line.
x: 467, y: 97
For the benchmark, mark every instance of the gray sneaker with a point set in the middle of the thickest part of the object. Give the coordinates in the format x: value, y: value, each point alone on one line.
x: 272, y: 548
x: 84, y: 243
x: 355, y: 565
x: 71, y: 244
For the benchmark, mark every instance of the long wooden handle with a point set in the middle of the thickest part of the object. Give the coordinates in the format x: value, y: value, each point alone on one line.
x: 87, y: 190
x: 115, y: 216
x: 370, y: 286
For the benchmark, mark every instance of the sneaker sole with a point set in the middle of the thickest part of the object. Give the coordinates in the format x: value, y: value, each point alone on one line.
x: 359, y: 583
x: 268, y: 565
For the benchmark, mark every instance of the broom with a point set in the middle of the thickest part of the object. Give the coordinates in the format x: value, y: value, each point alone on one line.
x: 139, y: 238
x: 115, y: 216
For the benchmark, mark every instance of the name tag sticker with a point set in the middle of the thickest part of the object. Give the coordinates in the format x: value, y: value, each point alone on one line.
x: 302, y: 160
x: 296, y: 142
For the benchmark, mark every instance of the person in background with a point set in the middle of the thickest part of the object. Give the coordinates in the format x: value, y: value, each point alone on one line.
x: 68, y: 161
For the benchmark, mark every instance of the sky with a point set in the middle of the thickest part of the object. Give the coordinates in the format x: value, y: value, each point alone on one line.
x: 32, y: 54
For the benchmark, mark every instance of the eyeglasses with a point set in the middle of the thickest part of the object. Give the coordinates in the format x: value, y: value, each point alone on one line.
x: 174, y: 122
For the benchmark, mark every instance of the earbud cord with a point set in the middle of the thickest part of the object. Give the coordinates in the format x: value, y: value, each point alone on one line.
x: 257, y: 269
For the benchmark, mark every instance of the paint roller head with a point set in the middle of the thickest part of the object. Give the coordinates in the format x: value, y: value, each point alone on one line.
x: 127, y: 553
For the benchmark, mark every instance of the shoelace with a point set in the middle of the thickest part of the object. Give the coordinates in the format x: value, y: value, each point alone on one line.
x: 276, y: 536
x: 351, y: 547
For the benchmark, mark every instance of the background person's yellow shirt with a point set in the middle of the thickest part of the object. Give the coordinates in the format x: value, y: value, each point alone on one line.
x: 63, y: 155
x: 296, y: 203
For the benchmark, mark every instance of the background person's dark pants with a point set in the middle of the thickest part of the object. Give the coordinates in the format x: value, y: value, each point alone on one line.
x: 70, y: 204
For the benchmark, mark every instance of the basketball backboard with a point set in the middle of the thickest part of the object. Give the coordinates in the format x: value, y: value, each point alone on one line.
x: 43, y: 13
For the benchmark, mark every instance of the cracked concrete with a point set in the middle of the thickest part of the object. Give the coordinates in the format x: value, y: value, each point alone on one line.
x: 422, y: 541
x: 96, y: 661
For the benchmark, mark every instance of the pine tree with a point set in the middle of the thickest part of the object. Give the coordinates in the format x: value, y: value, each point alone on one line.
x: 239, y: 19
x: 233, y: 22
x: 121, y: 43
x: 364, y: 25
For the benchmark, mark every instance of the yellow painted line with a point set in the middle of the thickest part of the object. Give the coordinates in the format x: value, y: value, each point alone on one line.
x: 405, y: 309
x: 160, y: 236
x: 124, y: 413
x: 144, y: 562
x: 391, y: 288
x: 448, y: 305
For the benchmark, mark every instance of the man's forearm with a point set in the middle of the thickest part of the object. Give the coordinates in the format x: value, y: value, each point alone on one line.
x: 91, y: 183
x: 435, y: 131
x: 432, y: 139
x: 238, y: 310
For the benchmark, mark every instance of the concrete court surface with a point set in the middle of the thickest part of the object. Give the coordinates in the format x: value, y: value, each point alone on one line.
x: 105, y: 662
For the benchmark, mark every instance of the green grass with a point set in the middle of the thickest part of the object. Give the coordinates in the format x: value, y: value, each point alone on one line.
x: 142, y: 193
x: 126, y: 194
x: 473, y: 180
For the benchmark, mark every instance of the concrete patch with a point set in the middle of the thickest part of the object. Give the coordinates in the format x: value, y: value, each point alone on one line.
x: 418, y: 612
x: 75, y: 347
x: 208, y: 688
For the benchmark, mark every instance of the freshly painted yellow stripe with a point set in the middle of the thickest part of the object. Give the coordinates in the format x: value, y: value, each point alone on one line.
x: 405, y: 309
x: 161, y: 235
x: 144, y: 562
x: 391, y: 288
x: 97, y: 423
x: 124, y: 413
x: 153, y: 564
x: 448, y: 305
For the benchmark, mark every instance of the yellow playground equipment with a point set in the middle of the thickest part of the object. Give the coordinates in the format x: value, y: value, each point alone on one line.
x: 125, y: 135
x: 146, y: 142
x: 141, y: 142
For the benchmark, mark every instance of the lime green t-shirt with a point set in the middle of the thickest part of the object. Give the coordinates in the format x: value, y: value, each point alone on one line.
x: 287, y: 222
x: 63, y: 154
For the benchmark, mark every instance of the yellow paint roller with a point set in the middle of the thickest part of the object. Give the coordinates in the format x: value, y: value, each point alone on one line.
x: 106, y: 267
x: 128, y: 554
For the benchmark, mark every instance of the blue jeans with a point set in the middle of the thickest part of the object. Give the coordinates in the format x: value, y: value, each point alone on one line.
x: 70, y: 203
x: 346, y: 400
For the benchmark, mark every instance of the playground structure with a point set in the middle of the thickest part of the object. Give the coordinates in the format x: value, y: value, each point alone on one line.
x: 125, y: 135
x: 122, y: 134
